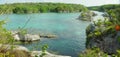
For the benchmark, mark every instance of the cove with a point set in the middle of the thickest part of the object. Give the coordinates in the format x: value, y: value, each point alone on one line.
x: 70, y: 32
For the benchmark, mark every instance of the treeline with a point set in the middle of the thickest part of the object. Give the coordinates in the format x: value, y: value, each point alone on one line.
x: 113, y: 10
x: 114, y: 14
x: 104, y: 7
x: 41, y: 8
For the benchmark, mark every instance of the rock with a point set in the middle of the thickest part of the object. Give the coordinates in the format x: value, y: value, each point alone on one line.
x: 16, y: 37
x: 48, y: 36
x: 32, y: 53
x: 87, y: 16
x: 90, y: 28
x: 30, y: 37
x: 16, y: 47
x: 38, y: 53
x: 105, y: 15
x: 108, y: 40
x: 26, y: 37
x: 14, y: 51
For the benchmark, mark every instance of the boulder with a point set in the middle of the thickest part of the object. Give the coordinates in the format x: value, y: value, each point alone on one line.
x: 30, y: 37
x: 18, y: 47
x: 38, y: 53
x: 25, y: 37
x: 16, y: 37
x: 87, y: 16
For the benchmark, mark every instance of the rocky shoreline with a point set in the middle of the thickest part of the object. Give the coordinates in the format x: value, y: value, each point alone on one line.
x: 37, y: 53
x: 30, y: 53
x: 29, y: 37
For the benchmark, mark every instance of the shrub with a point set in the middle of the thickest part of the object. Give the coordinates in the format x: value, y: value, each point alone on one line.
x: 93, y: 53
x: 6, y: 38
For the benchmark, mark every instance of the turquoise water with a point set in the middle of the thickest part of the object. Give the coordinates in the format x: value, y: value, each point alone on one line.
x: 70, y: 31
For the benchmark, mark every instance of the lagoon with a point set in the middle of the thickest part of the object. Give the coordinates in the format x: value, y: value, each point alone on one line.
x: 70, y: 32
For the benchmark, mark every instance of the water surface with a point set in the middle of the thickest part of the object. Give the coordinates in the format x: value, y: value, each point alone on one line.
x: 70, y: 31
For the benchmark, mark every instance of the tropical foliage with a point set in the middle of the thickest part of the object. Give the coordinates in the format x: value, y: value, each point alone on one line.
x: 111, y: 25
x: 41, y: 7
x: 104, y: 7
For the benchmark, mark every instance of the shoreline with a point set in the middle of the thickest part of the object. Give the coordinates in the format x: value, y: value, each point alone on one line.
x: 31, y: 53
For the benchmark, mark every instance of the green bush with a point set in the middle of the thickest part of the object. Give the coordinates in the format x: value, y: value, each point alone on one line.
x: 93, y: 53
x: 5, y: 36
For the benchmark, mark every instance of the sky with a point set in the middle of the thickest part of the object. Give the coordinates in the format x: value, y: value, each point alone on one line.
x: 83, y: 2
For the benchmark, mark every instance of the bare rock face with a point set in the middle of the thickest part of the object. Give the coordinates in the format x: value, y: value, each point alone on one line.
x: 26, y: 37
x: 30, y: 37
x: 38, y: 53
x: 108, y: 40
x: 16, y: 37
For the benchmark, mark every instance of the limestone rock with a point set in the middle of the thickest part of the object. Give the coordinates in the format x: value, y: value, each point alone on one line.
x: 108, y: 41
x: 26, y: 37
x: 30, y: 37
x: 38, y: 53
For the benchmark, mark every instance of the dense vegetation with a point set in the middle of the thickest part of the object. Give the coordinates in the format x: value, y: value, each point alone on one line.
x: 115, y: 13
x: 41, y: 7
x: 102, y: 29
x: 5, y: 36
x: 87, y: 16
x: 96, y: 52
x: 104, y: 7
